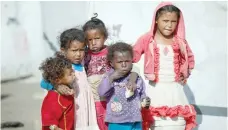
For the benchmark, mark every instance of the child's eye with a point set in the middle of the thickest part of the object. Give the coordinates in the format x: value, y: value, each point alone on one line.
x: 97, y: 38
x: 166, y: 21
x: 82, y: 49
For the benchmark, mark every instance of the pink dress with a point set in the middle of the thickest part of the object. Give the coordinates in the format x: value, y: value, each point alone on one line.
x: 84, y: 104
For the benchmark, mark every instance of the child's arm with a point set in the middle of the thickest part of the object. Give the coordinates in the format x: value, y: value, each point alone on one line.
x: 106, y: 86
x: 62, y: 89
x: 132, y: 81
x: 191, y: 60
x: 141, y: 87
x: 50, y: 114
x: 138, y: 49
x: 46, y: 85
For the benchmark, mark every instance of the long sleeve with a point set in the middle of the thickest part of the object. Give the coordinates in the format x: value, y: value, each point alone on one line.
x: 141, y: 87
x: 191, y: 60
x: 105, y: 88
x: 51, y: 112
x: 46, y: 85
x: 138, y: 49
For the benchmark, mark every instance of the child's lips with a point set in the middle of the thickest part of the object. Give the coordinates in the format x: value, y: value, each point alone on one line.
x: 76, y: 59
x: 168, y: 30
x: 95, y: 49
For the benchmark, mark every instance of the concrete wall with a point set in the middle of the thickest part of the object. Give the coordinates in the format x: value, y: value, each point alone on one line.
x: 22, y: 45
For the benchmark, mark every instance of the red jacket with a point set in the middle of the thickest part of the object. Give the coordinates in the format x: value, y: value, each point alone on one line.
x: 58, y: 110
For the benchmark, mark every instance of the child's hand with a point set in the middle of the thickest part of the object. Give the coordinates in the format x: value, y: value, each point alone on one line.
x: 116, y: 75
x: 146, y: 102
x: 131, y: 86
x: 150, y: 77
x: 183, y: 81
x: 54, y: 127
x: 57, y: 128
x: 65, y: 90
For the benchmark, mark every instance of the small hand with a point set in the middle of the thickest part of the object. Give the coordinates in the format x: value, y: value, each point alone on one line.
x: 116, y: 75
x: 131, y: 86
x: 54, y: 127
x: 150, y: 77
x: 183, y: 80
x: 65, y: 90
x: 57, y: 128
x: 146, y: 102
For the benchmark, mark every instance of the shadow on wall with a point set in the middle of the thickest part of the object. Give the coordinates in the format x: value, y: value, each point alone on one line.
x: 211, y: 77
x: 191, y: 99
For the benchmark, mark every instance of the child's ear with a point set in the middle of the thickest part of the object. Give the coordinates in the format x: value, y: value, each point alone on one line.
x: 58, y: 81
x: 111, y: 63
x: 62, y: 50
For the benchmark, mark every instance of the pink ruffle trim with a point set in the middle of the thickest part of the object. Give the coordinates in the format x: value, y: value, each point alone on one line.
x: 187, y: 112
x: 156, y: 62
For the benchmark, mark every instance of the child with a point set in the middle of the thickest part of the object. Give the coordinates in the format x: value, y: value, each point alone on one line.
x: 57, y: 110
x: 123, y: 108
x: 97, y: 65
x: 72, y: 45
x: 168, y: 63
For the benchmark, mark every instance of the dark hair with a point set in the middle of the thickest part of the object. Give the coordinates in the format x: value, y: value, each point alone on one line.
x: 95, y: 23
x: 167, y: 8
x: 70, y: 35
x: 118, y: 47
x: 53, y: 68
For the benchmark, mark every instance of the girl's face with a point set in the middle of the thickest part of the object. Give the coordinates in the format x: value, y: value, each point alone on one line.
x: 76, y: 52
x: 167, y: 23
x: 95, y: 40
x: 68, y: 78
x: 122, y: 61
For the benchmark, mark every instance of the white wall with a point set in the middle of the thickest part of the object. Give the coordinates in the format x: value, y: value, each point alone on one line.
x: 58, y: 16
x: 22, y: 46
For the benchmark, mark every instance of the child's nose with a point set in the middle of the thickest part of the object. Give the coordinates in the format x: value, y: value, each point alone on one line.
x: 124, y: 64
x: 169, y: 24
x: 93, y: 42
x: 78, y: 53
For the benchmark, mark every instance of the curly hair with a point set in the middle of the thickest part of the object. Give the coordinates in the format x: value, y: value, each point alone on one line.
x: 70, y: 35
x: 119, y: 47
x: 95, y: 23
x: 54, y: 67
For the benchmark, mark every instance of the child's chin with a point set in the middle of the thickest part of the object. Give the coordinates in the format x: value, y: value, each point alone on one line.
x: 77, y: 62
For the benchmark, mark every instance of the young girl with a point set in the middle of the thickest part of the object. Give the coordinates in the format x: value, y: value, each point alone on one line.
x: 72, y: 45
x: 123, y: 110
x: 168, y: 63
x: 57, y: 110
x: 97, y: 65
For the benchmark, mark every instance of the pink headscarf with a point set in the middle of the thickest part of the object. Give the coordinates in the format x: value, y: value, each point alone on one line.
x: 145, y: 41
x: 180, y: 30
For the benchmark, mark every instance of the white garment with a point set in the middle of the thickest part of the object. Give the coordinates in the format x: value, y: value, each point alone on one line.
x: 166, y: 92
x: 84, y: 104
